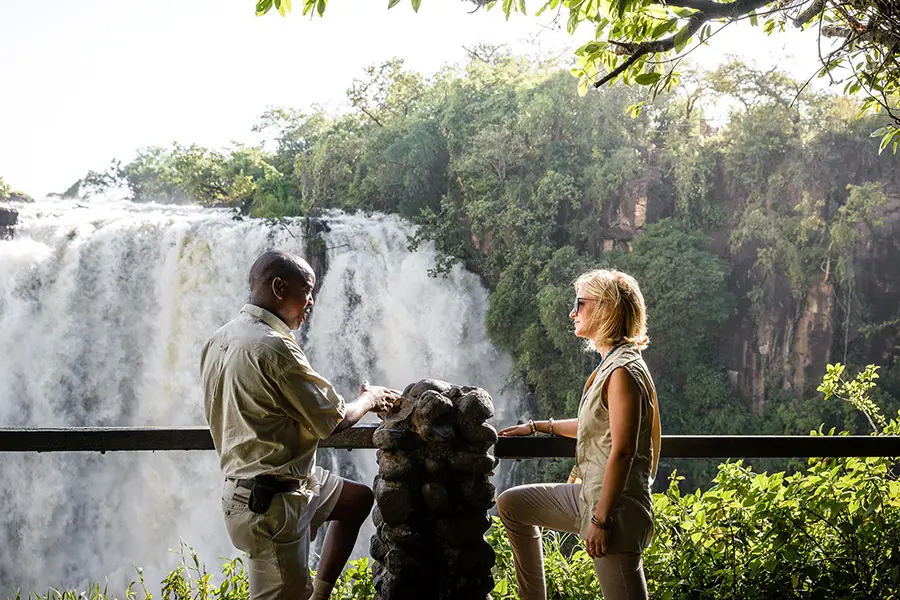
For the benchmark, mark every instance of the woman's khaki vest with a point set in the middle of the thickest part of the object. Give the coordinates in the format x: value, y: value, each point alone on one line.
x: 633, y: 516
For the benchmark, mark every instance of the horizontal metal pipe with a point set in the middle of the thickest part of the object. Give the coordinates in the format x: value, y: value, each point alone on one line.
x: 128, y: 439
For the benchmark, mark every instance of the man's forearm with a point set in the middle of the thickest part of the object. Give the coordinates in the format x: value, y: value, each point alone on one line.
x: 356, y: 410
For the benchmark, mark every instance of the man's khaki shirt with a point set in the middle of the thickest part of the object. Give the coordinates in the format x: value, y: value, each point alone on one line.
x: 266, y: 407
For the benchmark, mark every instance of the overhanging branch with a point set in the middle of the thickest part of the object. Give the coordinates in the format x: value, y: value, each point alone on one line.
x: 883, y: 37
x: 717, y: 10
x: 710, y: 10
x: 810, y: 13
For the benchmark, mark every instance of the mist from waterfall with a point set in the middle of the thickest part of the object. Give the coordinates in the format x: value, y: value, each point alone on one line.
x: 103, y: 311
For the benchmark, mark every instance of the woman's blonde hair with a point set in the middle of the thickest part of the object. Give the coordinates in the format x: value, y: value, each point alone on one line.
x: 620, y: 314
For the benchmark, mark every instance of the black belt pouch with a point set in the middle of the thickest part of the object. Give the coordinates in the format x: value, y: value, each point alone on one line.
x: 264, y: 489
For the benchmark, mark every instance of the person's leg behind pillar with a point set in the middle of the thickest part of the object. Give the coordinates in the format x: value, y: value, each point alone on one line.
x: 345, y: 514
x: 523, y: 510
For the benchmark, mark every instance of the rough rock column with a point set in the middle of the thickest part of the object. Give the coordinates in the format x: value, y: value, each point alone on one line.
x: 433, y: 492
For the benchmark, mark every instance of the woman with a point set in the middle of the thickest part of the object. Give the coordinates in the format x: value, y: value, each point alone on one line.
x: 616, y: 454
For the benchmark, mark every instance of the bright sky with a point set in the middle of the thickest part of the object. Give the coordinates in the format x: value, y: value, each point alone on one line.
x: 90, y: 80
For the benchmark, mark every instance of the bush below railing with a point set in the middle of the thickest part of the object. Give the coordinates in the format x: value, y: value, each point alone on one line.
x: 830, y: 532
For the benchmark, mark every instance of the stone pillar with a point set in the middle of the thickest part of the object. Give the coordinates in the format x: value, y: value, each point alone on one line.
x: 433, y: 492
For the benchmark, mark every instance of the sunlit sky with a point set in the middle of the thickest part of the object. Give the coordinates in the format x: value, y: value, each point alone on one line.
x: 85, y: 81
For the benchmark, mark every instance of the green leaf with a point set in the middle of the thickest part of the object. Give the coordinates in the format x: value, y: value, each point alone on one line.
x: 507, y: 8
x: 393, y: 3
x: 320, y: 8
x: 416, y: 4
x: 262, y: 7
x: 663, y: 28
x: 657, y: 12
x: 582, y: 86
x: 753, y: 20
x: 887, y: 140
x: 522, y: 7
x: 682, y: 38
x: 574, y: 14
x: 647, y: 78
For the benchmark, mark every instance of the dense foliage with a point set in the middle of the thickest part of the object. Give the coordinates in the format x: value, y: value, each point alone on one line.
x: 644, y: 41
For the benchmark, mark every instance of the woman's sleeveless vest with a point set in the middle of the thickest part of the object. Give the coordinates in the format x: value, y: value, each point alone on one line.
x: 633, y: 516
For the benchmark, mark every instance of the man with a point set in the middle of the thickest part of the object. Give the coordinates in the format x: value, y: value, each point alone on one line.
x: 267, y: 410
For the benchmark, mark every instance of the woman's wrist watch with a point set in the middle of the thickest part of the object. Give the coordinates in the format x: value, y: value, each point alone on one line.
x: 533, y: 427
x: 606, y: 524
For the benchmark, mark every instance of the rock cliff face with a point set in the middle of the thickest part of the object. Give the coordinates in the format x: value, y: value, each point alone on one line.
x: 8, y: 220
x: 644, y: 200
x: 20, y: 197
x: 779, y: 340
x: 782, y: 342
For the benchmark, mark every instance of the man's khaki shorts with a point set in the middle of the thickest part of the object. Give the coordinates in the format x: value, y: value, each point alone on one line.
x: 277, y: 542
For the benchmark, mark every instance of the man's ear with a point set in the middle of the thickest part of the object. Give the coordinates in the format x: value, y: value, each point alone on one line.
x: 278, y: 287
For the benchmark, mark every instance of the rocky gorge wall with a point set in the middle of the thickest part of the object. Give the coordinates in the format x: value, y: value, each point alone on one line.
x: 777, y: 339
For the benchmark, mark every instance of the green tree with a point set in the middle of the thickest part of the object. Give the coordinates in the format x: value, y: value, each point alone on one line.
x: 686, y: 289
x: 635, y: 41
x: 387, y: 91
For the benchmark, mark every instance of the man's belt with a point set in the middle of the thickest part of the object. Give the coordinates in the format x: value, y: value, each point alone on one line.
x: 263, y: 489
x: 278, y: 485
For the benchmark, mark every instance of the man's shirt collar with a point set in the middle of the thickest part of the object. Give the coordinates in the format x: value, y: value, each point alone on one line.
x: 267, y: 318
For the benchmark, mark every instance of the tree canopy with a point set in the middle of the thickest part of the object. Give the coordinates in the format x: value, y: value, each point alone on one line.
x: 643, y: 41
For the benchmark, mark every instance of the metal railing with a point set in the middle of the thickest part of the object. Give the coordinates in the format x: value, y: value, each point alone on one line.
x: 126, y: 439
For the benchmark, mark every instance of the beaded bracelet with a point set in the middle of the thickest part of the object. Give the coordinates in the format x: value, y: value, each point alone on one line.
x: 550, y: 426
x: 607, y: 524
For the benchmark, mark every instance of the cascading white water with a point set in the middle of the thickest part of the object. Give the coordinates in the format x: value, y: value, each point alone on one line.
x: 103, y: 311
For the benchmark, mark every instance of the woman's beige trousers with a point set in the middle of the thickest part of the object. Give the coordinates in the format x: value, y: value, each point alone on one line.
x: 526, y: 508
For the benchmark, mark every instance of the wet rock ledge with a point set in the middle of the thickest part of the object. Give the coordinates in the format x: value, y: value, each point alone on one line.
x: 8, y: 220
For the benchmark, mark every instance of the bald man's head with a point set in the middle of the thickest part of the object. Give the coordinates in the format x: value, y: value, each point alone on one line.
x: 282, y: 283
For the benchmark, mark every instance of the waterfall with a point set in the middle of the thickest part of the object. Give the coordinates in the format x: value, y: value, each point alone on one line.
x: 103, y: 311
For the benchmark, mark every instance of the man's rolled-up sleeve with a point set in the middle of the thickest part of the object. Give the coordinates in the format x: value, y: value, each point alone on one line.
x: 311, y: 400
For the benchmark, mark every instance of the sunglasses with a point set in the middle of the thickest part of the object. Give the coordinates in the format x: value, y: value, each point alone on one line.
x: 579, y: 302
